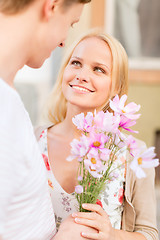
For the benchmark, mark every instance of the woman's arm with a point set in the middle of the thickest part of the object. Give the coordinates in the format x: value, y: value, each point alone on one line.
x: 139, y: 213
x: 142, y: 198
x: 121, y: 234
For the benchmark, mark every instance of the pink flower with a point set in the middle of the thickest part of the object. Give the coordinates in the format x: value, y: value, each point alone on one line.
x: 126, y: 123
x: 111, y: 123
x: 79, y: 178
x: 105, y: 154
x: 144, y: 160
x: 98, y: 140
x: 82, y: 122
x: 106, y: 122
x: 131, y: 145
x: 113, y: 175
x: 98, y: 119
x: 79, y: 189
x: 117, y: 105
x: 93, y: 152
x: 93, y: 163
x: 119, y: 140
x: 79, y: 148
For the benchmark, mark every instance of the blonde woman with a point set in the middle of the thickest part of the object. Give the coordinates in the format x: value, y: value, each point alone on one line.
x: 95, y: 70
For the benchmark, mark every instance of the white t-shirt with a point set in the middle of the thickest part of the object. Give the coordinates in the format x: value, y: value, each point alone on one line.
x: 25, y: 207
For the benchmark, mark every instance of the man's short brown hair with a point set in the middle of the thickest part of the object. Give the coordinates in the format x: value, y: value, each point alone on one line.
x: 70, y: 2
x: 15, y: 6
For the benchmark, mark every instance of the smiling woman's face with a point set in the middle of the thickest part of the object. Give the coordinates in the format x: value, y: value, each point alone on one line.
x: 87, y: 77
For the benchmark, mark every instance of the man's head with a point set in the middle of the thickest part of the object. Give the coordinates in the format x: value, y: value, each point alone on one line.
x: 43, y: 24
x: 15, y: 6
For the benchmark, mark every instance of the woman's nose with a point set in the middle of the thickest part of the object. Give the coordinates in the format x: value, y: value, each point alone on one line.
x: 81, y: 79
x: 83, y: 75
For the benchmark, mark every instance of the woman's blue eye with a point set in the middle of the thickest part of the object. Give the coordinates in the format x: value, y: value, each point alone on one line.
x: 99, y: 69
x: 76, y: 63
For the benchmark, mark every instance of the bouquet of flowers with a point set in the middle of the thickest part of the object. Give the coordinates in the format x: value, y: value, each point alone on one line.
x: 100, y: 144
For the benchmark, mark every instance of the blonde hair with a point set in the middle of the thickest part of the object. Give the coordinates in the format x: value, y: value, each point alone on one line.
x: 15, y: 6
x: 57, y: 104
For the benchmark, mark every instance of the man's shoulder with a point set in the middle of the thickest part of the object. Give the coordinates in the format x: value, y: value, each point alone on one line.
x: 9, y: 98
x: 13, y: 120
x: 11, y: 106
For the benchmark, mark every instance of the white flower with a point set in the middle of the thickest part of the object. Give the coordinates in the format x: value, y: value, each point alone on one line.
x: 144, y: 160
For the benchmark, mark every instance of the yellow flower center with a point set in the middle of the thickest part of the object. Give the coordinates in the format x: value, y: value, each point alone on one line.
x: 140, y: 161
x: 123, y: 111
x: 93, y: 160
x: 96, y: 144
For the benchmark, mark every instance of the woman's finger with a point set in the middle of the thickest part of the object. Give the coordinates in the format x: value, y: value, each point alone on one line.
x: 93, y: 236
x: 89, y: 223
x: 94, y: 208
x: 86, y: 215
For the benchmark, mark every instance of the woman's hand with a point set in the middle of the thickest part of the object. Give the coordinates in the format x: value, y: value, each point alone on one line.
x: 97, y: 219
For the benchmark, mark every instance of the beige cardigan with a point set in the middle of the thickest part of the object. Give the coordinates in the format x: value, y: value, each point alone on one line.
x: 140, y: 202
x: 139, y: 214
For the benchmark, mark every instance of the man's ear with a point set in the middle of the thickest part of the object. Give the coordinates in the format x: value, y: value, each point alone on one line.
x: 48, y: 7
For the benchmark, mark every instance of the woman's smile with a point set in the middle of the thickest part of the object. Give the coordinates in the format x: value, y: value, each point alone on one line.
x: 80, y: 89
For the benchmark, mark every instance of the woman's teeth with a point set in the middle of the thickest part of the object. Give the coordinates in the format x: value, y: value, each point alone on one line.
x: 81, y: 89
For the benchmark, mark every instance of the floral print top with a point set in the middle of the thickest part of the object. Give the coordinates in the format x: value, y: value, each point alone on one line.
x: 65, y: 204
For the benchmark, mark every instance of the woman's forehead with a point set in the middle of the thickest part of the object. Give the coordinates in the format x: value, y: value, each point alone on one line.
x: 93, y: 48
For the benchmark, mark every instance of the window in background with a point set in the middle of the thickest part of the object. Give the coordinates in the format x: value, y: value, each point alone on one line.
x: 136, y: 25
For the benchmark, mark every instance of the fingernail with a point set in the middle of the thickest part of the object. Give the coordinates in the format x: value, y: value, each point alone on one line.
x: 76, y: 220
x: 83, y: 234
x: 74, y: 215
x: 84, y: 205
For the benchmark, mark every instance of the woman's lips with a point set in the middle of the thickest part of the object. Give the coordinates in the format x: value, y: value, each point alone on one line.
x: 81, y: 89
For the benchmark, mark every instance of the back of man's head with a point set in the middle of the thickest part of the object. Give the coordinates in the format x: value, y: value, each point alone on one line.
x: 15, y: 6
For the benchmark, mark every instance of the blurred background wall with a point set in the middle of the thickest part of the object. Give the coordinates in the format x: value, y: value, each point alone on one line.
x: 136, y: 25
